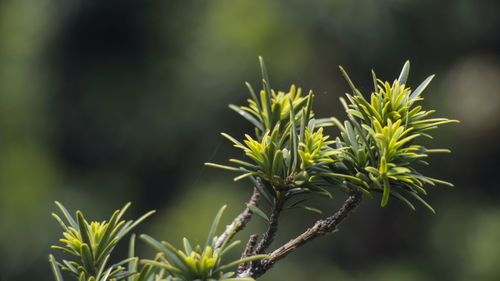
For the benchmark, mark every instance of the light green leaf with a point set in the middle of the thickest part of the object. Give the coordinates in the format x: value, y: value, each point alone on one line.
x: 415, y: 94
x: 187, y: 246
x: 234, y: 263
x: 232, y: 139
x: 132, y: 265
x: 230, y: 168
x: 246, y: 175
x: 55, y: 268
x: 387, y: 190
x: 404, y: 73
x: 311, y: 209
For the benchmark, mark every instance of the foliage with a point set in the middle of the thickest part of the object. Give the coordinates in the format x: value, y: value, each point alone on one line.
x: 289, y: 156
x: 289, y: 143
x: 90, y: 245
x: 375, y: 152
x: 198, y: 263
x: 378, y: 142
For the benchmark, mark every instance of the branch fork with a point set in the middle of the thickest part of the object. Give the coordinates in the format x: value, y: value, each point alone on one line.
x: 320, y: 228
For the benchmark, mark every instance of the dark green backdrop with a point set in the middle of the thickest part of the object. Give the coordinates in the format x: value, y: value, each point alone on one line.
x: 104, y: 102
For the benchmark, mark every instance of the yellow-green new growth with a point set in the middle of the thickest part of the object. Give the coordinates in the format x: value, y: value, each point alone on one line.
x: 198, y: 263
x: 377, y: 150
x: 90, y: 246
x: 385, y: 130
x: 315, y: 149
x: 288, y: 143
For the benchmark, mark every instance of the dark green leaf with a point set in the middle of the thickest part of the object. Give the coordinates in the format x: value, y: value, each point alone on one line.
x: 276, y: 114
x: 416, y: 196
x: 374, y: 77
x: 55, y: 268
x: 268, y: 103
x: 136, y: 222
x: 402, y: 199
x: 158, y: 246
x: 263, y: 70
x: 84, y: 231
x: 67, y: 215
x: 247, y: 116
x: 254, y: 96
x: 257, y: 211
x: 353, y: 88
x: 261, y: 190
x: 213, y: 228
x: 87, y: 259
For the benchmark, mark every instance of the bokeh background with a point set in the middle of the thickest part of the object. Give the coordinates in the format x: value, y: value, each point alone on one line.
x: 104, y: 102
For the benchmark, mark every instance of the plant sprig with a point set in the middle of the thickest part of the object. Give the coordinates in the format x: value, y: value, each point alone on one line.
x: 379, y: 140
x: 198, y: 263
x: 377, y: 150
x: 90, y: 246
x: 289, y: 160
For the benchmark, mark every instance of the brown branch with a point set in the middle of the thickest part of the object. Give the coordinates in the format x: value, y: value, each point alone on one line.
x: 239, y: 222
x: 320, y: 228
x: 248, y: 252
x: 272, y: 227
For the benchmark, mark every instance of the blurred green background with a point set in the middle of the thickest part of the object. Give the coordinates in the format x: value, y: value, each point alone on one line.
x: 104, y: 102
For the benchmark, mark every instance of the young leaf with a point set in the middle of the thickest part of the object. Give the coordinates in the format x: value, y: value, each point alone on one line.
x: 404, y: 73
x: 258, y: 212
x: 230, y: 168
x: 387, y: 190
x: 310, y: 209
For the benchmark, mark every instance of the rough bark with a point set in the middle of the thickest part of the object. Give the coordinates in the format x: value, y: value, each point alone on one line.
x: 320, y: 228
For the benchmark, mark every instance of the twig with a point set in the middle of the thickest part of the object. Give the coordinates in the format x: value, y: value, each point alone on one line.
x: 268, y: 236
x: 320, y: 228
x: 248, y: 252
x: 241, y: 220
